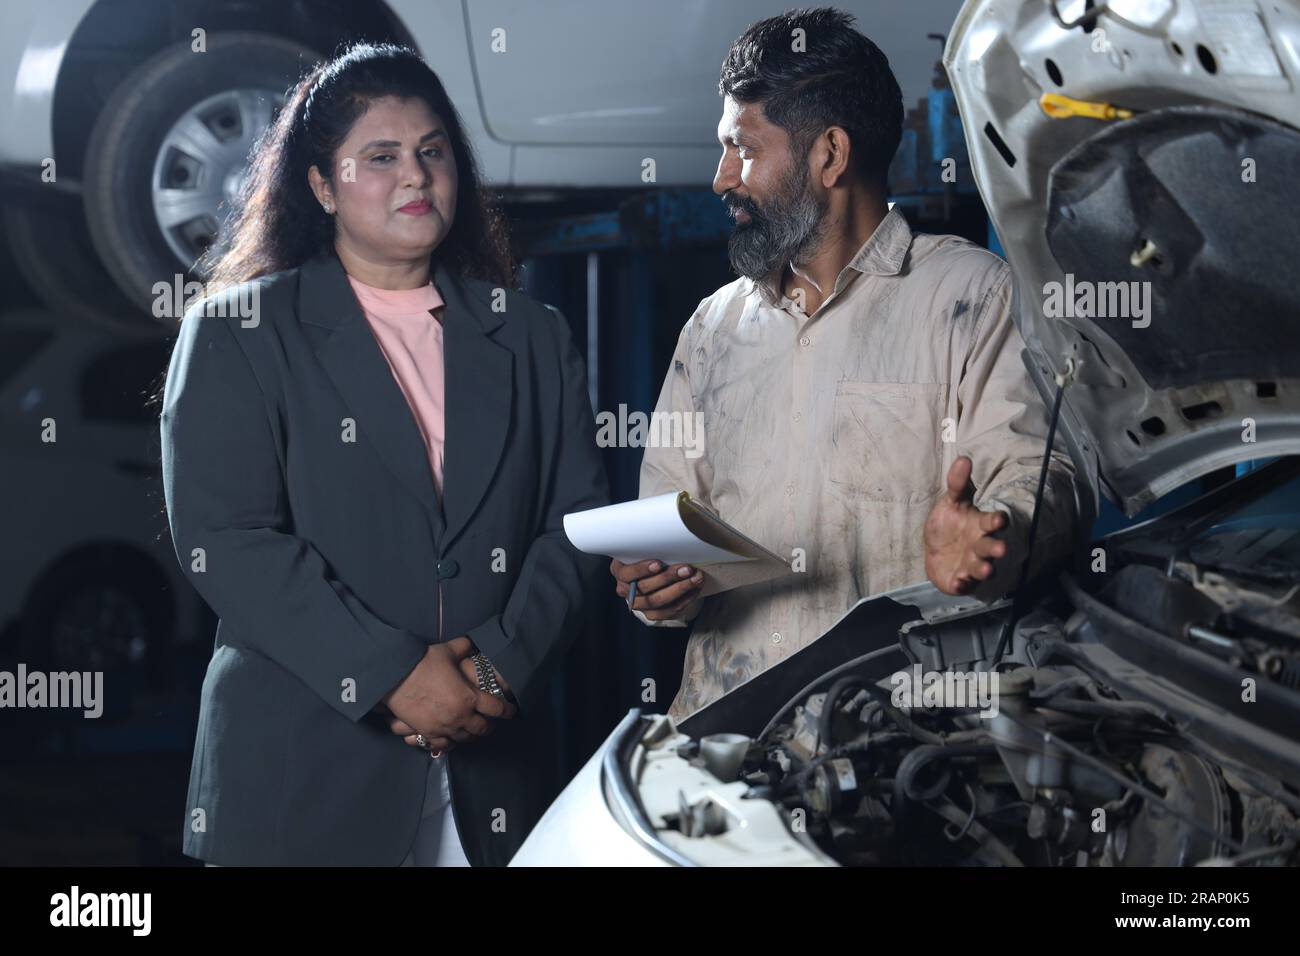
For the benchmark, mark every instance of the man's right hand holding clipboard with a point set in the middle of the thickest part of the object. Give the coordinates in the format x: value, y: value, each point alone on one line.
x: 661, y: 594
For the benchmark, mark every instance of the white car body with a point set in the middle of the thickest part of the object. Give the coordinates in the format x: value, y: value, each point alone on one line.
x: 569, y: 93
x: 621, y: 808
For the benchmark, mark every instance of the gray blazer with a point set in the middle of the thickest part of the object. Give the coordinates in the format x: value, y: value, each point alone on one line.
x: 321, y: 557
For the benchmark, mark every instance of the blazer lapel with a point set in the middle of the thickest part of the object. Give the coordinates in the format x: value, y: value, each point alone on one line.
x: 480, y: 385
x: 478, y: 377
x: 351, y: 356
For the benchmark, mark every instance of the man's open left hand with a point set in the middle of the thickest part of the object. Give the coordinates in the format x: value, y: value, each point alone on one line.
x: 961, y: 551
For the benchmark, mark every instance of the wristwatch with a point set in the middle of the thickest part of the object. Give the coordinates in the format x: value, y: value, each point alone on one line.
x: 487, y: 676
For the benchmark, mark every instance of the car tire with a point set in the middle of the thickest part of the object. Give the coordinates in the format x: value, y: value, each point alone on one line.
x: 133, y: 159
x: 106, y: 612
x: 51, y: 249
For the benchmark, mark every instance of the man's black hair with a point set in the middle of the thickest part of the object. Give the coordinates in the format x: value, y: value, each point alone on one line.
x: 838, y: 78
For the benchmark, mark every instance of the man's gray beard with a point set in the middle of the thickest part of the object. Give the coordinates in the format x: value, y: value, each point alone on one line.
x: 789, y: 232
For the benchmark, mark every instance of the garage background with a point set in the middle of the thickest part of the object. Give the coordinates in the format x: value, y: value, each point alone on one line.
x: 89, y: 578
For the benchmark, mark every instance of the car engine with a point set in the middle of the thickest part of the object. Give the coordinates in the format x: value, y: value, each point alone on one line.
x: 1065, y: 769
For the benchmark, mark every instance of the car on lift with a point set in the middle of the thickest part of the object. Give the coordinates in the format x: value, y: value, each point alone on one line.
x: 1147, y: 700
x: 128, y: 133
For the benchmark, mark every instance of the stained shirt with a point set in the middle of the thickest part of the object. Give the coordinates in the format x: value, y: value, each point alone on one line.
x: 828, y: 437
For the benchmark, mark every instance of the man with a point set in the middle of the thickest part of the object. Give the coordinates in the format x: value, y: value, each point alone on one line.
x: 866, y: 412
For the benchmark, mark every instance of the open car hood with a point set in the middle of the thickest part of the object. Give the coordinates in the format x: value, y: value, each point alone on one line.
x: 1160, y: 252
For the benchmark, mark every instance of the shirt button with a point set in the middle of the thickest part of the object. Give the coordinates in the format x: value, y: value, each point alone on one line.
x: 776, y: 637
x: 805, y: 341
x: 796, y: 416
x: 448, y: 568
x: 789, y: 489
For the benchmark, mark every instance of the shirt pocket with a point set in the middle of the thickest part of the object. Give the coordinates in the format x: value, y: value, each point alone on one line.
x: 886, y: 441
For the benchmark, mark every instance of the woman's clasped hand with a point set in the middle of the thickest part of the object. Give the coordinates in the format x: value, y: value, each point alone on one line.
x: 441, y: 700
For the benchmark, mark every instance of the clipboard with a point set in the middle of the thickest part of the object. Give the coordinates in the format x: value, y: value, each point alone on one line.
x: 676, y: 529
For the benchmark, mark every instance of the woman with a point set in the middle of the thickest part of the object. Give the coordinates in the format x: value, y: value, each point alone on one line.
x: 375, y: 608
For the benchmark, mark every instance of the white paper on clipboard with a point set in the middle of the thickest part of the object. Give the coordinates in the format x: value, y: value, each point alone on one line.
x: 675, y: 529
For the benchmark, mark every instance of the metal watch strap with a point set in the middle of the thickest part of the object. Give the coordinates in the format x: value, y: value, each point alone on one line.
x: 487, y: 676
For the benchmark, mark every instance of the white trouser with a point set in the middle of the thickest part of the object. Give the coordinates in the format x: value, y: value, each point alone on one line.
x: 436, y: 842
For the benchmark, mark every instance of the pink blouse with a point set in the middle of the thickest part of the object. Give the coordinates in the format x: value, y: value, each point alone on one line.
x: 411, y: 339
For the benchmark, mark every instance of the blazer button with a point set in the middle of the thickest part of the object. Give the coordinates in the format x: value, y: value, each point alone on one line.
x: 448, y: 568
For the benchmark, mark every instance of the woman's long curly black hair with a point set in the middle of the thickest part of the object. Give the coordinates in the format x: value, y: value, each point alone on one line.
x: 277, y: 222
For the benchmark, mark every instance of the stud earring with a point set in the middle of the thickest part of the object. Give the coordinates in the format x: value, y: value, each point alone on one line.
x: 328, y: 207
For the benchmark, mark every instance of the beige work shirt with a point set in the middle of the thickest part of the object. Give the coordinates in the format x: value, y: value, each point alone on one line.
x: 827, y: 438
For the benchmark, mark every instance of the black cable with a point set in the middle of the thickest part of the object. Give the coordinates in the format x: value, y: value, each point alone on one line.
x: 899, y: 718
x: 980, y: 834
x: 808, y: 688
x: 919, y: 757
x: 828, y: 708
x: 1017, y: 599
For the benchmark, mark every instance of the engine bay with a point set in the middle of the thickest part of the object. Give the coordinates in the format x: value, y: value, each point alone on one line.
x: 1146, y: 719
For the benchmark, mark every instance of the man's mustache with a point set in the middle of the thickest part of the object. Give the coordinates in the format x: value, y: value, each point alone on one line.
x: 741, y: 203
